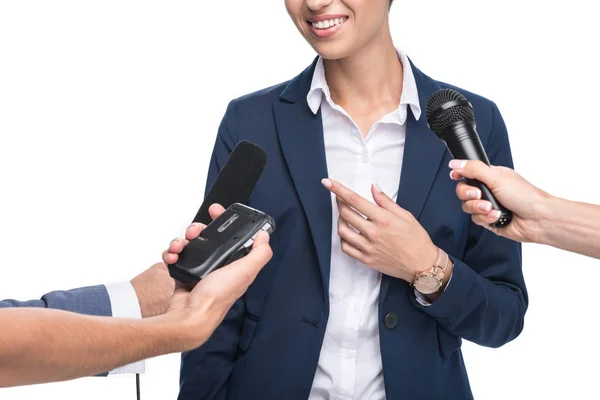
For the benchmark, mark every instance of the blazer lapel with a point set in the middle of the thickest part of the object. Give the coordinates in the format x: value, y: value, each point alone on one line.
x: 423, y: 153
x: 300, y: 134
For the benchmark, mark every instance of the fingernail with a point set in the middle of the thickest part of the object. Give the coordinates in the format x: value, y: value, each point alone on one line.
x: 377, y: 188
x: 457, y: 164
x: 485, y: 206
x: 326, y: 183
x: 496, y: 214
x: 473, y: 194
x: 455, y: 176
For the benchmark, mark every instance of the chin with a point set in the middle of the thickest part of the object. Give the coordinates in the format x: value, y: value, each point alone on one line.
x: 332, y: 51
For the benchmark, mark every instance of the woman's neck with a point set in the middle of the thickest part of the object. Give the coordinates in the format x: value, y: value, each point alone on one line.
x: 370, y: 76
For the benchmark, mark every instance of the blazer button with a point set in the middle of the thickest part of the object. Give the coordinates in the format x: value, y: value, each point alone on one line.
x: 391, y: 320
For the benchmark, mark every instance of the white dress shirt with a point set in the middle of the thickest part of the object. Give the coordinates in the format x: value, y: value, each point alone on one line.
x: 350, y: 365
x: 125, y: 304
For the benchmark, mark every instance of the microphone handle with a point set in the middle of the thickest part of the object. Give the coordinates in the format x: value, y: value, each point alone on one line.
x: 464, y: 144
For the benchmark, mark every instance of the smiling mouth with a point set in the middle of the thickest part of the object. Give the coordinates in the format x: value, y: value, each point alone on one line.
x: 327, y: 24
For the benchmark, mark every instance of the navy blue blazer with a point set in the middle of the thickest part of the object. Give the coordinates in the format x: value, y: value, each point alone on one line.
x: 269, y: 343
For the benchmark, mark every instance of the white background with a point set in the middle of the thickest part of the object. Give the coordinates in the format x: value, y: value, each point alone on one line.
x: 108, y: 113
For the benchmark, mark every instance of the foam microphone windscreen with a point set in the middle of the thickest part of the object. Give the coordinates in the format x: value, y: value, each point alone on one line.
x: 237, y: 179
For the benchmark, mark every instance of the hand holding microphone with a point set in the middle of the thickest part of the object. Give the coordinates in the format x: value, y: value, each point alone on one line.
x: 450, y: 116
x: 526, y: 201
x: 539, y: 217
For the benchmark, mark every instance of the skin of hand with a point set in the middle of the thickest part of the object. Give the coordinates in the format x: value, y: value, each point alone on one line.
x: 154, y: 290
x: 208, y: 302
x: 76, y: 345
x: 383, y: 236
x: 526, y: 201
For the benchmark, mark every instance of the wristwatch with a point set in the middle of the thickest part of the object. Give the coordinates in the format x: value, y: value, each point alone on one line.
x: 431, y: 281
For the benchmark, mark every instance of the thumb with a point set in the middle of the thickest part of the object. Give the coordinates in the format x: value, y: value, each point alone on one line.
x: 232, y: 280
x: 251, y: 264
x: 475, y: 169
x: 261, y: 239
x: 215, y: 210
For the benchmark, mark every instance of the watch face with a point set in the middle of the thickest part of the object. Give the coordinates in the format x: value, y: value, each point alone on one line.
x: 428, y: 284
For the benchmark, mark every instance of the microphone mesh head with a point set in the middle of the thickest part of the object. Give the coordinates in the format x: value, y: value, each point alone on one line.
x: 439, y: 121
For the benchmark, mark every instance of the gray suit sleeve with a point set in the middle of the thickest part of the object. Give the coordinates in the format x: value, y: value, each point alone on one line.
x: 92, y: 300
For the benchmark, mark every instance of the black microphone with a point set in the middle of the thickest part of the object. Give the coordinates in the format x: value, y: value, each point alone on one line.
x: 236, y: 181
x: 450, y: 116
x: 234, y: 184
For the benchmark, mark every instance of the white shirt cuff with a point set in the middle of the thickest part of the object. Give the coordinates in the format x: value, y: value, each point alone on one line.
x: 422, y: 300
x: 125, y: 304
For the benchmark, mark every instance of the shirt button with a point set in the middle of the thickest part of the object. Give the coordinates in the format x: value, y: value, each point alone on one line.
x: 364, y: 158
x: 348, y: 354
x: 391, y: 320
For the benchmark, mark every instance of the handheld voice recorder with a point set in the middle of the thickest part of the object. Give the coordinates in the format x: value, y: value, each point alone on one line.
x: 226, y: 239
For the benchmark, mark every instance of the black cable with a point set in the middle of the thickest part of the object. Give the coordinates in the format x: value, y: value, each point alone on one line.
x: 137, y: 385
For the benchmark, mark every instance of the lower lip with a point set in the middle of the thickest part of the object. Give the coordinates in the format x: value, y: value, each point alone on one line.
x: 326, y: 33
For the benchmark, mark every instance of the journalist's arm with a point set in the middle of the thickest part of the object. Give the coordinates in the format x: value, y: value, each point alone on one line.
x: 537, y: 216
x: 146, y: 295
x: 40, y: 345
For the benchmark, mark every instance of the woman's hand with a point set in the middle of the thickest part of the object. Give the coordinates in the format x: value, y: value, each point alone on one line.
x: 388, y: 238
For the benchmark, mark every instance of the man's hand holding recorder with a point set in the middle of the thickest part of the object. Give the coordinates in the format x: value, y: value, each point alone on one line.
x: 78, y: 345
x: 203, y: 307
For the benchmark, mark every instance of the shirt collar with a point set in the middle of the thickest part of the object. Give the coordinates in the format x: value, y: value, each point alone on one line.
x: 410, y: 94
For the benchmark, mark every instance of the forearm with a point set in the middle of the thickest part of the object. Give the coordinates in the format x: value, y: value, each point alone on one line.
x: 478, y: 309
x: 571, y: 226
x: 38, y: 345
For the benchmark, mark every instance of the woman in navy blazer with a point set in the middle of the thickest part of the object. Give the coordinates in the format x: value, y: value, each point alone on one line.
x: 270, y: 343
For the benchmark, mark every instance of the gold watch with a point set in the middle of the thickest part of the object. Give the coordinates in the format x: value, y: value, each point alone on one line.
x: 431, y: 281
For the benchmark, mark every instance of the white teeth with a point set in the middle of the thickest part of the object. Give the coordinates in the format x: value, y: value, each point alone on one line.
x: 329, y: 23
